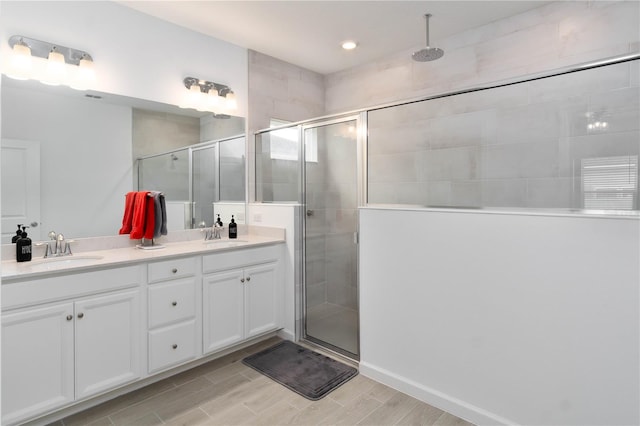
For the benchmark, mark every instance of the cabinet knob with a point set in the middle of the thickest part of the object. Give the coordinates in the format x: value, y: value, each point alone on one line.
x: 69, y: 317
x: 241, y: 280
x: 80, y: 315
x: 174, y: 270
x: 174, y: 346
x: 174, y: 303
x: 248, y: 278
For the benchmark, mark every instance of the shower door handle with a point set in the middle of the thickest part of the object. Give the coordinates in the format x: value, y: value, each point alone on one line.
x: 356, y: 238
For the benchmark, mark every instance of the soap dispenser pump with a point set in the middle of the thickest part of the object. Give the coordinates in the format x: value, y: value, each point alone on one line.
x: 17, y: 236
x: 23, y: 247
x: 233, y: 228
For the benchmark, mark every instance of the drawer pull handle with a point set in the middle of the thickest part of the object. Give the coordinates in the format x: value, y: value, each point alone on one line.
x: 69, y: 317
x: 248, y: 278
x: 80, y: 315
x: 174, y: 303
x: 241, y: 280
x: 174, y: 346
x: 174, y: 270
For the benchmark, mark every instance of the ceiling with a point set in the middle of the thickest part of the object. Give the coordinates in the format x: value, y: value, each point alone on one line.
x: 310, y: 33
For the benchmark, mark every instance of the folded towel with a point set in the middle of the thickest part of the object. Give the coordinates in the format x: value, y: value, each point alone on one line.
x: 150, y: 217
x: 139, y: 216
x: 158, y: 216
x: 129, y: 202
x: 163, y: 206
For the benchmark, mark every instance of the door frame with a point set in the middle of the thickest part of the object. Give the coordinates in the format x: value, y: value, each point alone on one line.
x: 360, y: 120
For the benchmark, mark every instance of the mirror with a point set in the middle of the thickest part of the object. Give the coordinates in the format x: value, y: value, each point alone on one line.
x: 87, y: 143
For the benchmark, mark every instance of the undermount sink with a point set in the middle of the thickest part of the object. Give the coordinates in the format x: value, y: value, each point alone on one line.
x: 51, y: 263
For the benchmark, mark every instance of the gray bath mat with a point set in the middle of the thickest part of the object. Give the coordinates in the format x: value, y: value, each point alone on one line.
x: 308, y: 373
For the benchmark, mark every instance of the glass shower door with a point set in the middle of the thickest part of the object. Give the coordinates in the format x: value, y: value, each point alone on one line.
x: 330, y: 236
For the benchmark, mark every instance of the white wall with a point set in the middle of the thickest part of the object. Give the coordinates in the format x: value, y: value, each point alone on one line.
x: 283, y: 216
x: 504, y: 318
x: 135, y: 55
x: 555, y: 35
x: 85, y: 158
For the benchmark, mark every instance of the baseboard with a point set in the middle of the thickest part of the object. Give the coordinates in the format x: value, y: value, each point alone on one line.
x: 287, y: 334
x: 466, y: 411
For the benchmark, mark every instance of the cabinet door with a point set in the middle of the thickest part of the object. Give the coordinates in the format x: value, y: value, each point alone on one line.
x: 222, y: 310
x: 37, y: 361
x: 107, y: 342
x: 260, y: 299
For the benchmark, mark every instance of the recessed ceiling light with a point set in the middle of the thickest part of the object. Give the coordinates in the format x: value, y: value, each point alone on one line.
x: 349, y: 45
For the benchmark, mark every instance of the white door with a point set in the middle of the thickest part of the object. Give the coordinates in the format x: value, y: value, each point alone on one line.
x: 20, y: 188
x: 260, y: 299
x: 107, y: 342
x: 223, y: 310
x: 37, y: 361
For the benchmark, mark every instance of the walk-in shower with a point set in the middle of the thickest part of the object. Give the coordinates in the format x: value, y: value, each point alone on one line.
x: 560, y: 142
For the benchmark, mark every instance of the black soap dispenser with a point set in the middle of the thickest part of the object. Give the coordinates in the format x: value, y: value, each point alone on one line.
x: 233, y: 228
x: 23, y: 247
x: 219, y: 222
x: 17, y: 236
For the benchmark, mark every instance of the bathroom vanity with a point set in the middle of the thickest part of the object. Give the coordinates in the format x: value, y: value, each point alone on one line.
x: 74, y: 329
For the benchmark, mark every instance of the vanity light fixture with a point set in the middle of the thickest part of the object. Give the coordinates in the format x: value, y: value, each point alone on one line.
x: 208, y: 96
x: 49, y: 63
x: 20, y: 64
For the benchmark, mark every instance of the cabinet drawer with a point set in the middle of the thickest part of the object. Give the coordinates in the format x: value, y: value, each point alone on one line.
x: 172, y: 345
x: 171, y: 302
x: 61, y: 287
x: 170, y: 269
x: 240, y: 258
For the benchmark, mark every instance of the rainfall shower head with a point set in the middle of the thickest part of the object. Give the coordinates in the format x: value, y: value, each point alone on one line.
x: 428, y: 53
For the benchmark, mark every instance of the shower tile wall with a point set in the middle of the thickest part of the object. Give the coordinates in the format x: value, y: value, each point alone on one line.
x: 287, y: 92
x: 554, y: 35
x: 517, y: 146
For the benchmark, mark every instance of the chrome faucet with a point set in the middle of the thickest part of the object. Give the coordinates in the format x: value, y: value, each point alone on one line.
x: 61, y: 247
x: 213, y: 233
x: 217, y: 230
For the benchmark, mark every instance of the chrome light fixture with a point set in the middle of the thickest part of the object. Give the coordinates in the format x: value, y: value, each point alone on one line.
x: 49, y: 63
x: 206, y: 95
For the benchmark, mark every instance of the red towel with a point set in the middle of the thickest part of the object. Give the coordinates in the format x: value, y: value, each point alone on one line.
x: 139, y: 215
x: 150, y: 222
x: 128, y: 212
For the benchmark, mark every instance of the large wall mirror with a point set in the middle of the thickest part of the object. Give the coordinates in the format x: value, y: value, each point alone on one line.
x: 69, y: 157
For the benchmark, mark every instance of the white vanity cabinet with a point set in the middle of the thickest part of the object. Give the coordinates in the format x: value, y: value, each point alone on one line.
x: 241, y: 296
x: 172, y: 313
x: 54, y: 353
x: 71, y: 335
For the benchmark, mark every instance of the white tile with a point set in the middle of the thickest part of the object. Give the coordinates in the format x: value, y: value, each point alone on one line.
x: 504, y: 193
x: 536, y: 159
x: 549, y: 193
x: 452, y: 163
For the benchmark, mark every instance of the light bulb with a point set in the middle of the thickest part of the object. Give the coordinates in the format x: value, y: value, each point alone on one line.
x: 597, y: 124
x: 56, y: 71
x: 604, y: 124
x: 85, y: 75
x: 20, y: 64
x: 231, y: 102
x: 213, y: 99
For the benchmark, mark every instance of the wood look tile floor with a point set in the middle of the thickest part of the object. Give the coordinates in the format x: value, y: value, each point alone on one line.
x: 226, y: 392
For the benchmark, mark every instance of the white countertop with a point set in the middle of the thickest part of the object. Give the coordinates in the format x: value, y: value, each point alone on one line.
x: 97, y: 259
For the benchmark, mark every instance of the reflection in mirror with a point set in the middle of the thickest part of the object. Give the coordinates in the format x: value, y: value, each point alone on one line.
x: 217, y: 182
x: 88, y: 142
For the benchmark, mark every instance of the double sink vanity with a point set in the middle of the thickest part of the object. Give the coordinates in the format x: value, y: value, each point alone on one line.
x: 80, y: 329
